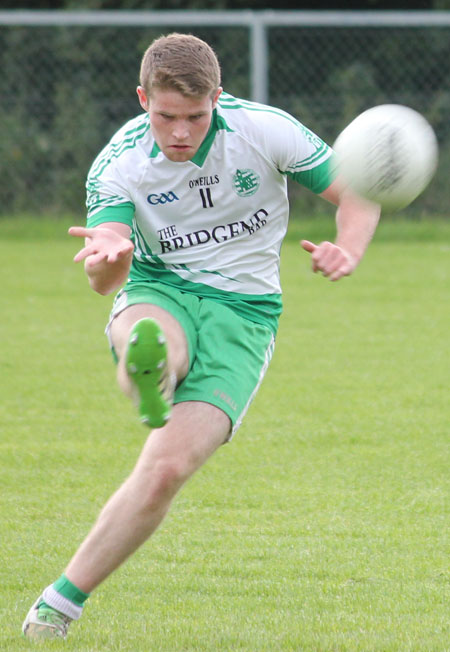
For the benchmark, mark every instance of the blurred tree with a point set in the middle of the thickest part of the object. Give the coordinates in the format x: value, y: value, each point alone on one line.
x: 77, y: 85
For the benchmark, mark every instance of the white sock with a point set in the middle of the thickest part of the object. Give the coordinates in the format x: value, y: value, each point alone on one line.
x: 60, y: 603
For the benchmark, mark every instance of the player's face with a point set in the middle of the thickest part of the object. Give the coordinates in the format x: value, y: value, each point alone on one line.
x: 179, y: 124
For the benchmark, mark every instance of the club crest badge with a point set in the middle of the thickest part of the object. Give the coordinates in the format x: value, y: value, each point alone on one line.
x: 246, y: 182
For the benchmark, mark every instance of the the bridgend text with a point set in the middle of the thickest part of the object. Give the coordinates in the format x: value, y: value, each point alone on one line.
x: 171, y: 240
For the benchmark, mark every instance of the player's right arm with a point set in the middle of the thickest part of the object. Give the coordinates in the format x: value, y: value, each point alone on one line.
x: 107, y: 255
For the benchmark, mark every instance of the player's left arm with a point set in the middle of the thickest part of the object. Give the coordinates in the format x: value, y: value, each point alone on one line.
x: 356, y: 221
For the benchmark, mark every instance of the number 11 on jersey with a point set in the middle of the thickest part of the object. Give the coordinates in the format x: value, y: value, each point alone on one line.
x: 205, y: 194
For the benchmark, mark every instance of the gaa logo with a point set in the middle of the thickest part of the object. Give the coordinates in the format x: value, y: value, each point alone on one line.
x: 246, y: 182
x: 162, y: 198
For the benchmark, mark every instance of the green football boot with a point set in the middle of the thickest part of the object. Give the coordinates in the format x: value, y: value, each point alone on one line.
x: 146, y: 365
x: 43, y: 622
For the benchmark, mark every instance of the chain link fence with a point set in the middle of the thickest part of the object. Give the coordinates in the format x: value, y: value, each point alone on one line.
x: 65, y: 88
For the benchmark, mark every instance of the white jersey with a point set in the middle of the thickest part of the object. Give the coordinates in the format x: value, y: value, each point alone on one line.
x: 212, y: 225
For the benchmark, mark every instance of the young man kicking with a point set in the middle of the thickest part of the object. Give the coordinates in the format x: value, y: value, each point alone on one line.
x: 187, y: 209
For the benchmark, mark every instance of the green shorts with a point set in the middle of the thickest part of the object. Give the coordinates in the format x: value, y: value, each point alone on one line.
x: 228, y: 354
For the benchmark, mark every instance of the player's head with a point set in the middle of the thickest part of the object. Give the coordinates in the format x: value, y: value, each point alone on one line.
x: 180, y: 62
x: 180, y: 87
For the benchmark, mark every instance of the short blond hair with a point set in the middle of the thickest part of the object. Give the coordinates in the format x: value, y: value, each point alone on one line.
x: 180, y: 62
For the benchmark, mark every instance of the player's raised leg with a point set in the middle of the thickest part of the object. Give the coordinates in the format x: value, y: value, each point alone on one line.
x: 153, y: 357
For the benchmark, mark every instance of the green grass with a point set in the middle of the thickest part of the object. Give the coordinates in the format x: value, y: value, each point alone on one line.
x: 322, y: 527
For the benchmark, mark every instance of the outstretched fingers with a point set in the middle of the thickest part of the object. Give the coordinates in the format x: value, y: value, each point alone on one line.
x: 102, y: 244
x: 81, y: 232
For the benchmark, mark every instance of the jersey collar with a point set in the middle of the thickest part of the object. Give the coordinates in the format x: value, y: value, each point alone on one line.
x: 217, y: 123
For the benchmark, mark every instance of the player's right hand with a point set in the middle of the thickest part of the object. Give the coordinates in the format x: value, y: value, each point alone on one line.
x: 102, y: 244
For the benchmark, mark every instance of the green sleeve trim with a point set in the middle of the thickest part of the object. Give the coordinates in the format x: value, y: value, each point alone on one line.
x: 122, y: 213
x: 318, y: 178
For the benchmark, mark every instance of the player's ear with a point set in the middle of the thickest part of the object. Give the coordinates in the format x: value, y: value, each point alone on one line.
x: 143, y: 99
x: 216, y: 97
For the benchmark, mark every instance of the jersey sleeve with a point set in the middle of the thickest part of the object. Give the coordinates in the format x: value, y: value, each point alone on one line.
x: 107, y: 195
x: 302, y: 155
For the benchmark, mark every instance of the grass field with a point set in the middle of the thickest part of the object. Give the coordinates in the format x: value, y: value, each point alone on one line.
x: 322, y: 527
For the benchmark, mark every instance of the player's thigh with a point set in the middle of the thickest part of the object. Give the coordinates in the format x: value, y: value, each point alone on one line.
x: 232, y: 356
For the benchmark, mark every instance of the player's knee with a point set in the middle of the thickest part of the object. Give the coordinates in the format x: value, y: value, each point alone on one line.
x: 165, y: 479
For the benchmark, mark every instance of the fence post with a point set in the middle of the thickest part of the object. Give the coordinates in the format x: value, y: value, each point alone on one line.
x: 259, y: 60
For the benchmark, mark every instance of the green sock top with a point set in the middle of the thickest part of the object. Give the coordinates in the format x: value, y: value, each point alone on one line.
x: 65, y: 588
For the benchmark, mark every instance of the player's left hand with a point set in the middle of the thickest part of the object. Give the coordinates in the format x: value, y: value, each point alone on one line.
x: 330, y: 259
